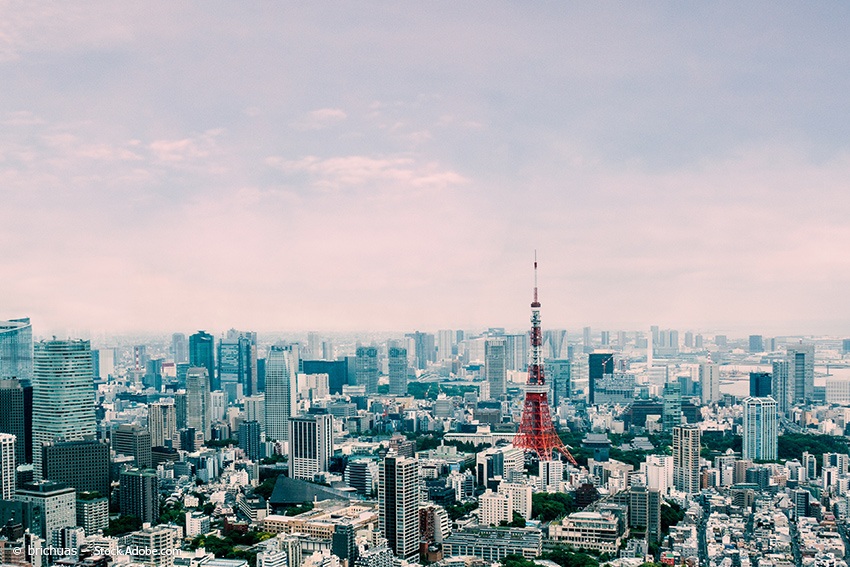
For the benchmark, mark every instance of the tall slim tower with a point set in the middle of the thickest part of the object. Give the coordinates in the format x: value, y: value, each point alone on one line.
x: 760, y: 429
x: 63, y: 394
x: 398, y: 371
x: 709, y: 379
x: 366, y: 368
x: 7, y: 466
x: 536, y: 432
x: 494, y: 367
x: 398, y: 504
x: 16, y: 349
x: 198, y: 401
x: 280, y: 392
x: 201, y: 353
x: 686, y: 447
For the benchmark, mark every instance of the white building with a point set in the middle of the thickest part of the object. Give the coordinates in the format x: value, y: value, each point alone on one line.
x: 398, y: 504
x: 7, y: 466
x: 760, y: 429
x: 709, y: 379
x: 280, y: 392
x: 519, y: 496
x: 494, y: 508
x: 659, y: 472
x: 311, y: 444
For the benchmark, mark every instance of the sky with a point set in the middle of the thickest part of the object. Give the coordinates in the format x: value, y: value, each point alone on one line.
x: 342, y: 166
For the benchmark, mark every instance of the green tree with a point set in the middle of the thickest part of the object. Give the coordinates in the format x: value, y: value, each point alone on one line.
x: 123, y: 525
x: 671, y: 514
x: 566, y: 557
x: 515, y: 560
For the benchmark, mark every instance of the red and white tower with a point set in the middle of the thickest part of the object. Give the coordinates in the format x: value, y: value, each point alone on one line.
x: 536, y: 431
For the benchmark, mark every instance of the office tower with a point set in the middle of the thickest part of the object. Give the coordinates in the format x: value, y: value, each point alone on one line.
x: 237, y: 364
x: 280, y: 392
x: 494, y: 367
x: 599, y: 364
x: 56, y: 503
x: 720, y: 341
x: 201, y: 354
x: 425, y: 350
x: 155, y: 546
x: 781, y: 388
x: 686, y: 447
x: 516, y: 352
x: 645, y: 511
x: 106, y: 363
x: 558, y: 371
x: 801, y: 372
x: 92, y: 512
x: 671, y: 414
x: 249, y: 439
x: 756, y: 343
x: 162, y: 423
x: 16, y: 349
x: 366, y: 368
x: 140, y: 357
x: 362, y: 476
x: 198, y: 401
x: 605, y: 339
x: 133, y: 441
x: 845, y: 346
x: 255, y: 409
x: 311, y: 443
x: 153, y: 374
x: 218, y: 406
x: 556, y: 341
x: 8, y: 466
x: 698, y: 341
x: 666, y: 342
x: 337, y: 371
x: 81, y: 464
x: 398, y: 504
x: 13, y: 416
x: 139, y: 494
x: 445, y: 344
x: 587, y: 341
x: 760, y: 429
x: 180, y: 409
x: 343, y: 544
x: 398, y: 371
x: 63, y: 394
x: 551, y: 475
x: 689, y: 339
x: 709, y: 380
x: 494, y: 508
x: 179, y: 348
x: 760, y: 383
x: 327, y: 350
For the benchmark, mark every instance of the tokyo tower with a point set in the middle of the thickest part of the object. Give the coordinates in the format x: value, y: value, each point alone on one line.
x: 536, y: 432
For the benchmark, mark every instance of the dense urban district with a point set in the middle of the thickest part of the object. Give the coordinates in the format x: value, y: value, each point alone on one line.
x: 454, y: 448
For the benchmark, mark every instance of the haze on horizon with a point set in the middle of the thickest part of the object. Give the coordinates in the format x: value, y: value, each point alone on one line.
x: 172, y: 167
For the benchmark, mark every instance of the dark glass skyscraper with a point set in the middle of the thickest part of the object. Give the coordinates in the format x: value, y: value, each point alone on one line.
x: 598, y: 365
x: 201, y: 353
x: 337, y: 371
x: 16, y: 349
x: 760, y: 384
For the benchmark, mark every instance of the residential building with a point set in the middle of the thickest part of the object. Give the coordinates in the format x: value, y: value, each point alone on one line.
x: 54, y: 502
x: 8, y: 466
x: 761, y: 429
x: 139, y: 494
x: 686, y: 458
x: 398, y: 502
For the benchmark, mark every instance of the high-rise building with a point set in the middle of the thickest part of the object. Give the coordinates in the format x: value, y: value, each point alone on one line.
x: 709, y: 379
x: 781, y: 388
x: 587, y: 340
x: 14, y: 399
x: 8, y: 466
x: 845, y: 346
x: 162, y: 423
x: 686, y: 449
x: 92, y: 512
x: 398, y: 504
x: 760, y: 383
x: 179, y: 348
x: 201, y: 354
x: 280, y: 392
x: 198, y: 401
x: 558, y: 372
x: 63, y: 394
x: 153, y: 374
x: 133, y: 441
x: 425, y: 350
x: 249, y: 439
x: 599, y: 364
x: 760, y: 429
x: 645, y: 511
x: 16, y: 349
x: 255, y: 409
x: 756, y: 343
x: 362, y: 476
x: 801, y: 372
x: 397, y: 367
x: 139, y: 494
x: 516, y: 352
x: 54, y: 502
x: 154, y: 546
x: 337, y: 371
x: 311, y: 443
x: 494, y: 367
x: 81, y: 464
x: 671, y: 414
x: 237, y: 364
x: 366, y: 368
x: 555, y: 340
x: 445, y: 344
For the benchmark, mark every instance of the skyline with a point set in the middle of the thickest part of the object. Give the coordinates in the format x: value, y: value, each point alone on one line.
x: 172, y: 168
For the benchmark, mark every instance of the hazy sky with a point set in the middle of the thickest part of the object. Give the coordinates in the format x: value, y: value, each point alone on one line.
x: 355, y: 165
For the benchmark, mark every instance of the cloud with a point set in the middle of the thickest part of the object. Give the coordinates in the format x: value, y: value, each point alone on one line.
x: 320, y: 119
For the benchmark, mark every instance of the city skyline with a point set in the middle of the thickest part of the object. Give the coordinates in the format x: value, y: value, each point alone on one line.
x: 389, y: 167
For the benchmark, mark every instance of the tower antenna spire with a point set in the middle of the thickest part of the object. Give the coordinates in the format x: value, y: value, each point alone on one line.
x: 535, y: 277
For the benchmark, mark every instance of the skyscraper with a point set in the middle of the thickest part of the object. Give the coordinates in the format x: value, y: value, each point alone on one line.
x: 82, y: 464
x: 760, y: 429
x: 280, y: 392
x: 56, y: 502
x: 398, y: 371
x: 7, y: 466
x: 587, y: 340
x: 133, y: 441
x: 781, y: 388
x: 756, y: 343
x: 249, y: 439
x: 13, y: 416
x: 598, y: 365
x: 671, y: 413
x: 139, y: 494
x: 198, y: 401
x: 760, y: 384
x: 801, y: 372
x: 686, y: 448
x: 162, y: 423
x: 179, y: 348
x: 558, y: 371
x: 494, y: 367
x: 311, y: 443
x: 201, y: 353
x: 398, y: 504
x: 337, y: 371
x: 425, y: 349
x: 516, y: 352
x: 16, y: 349
x: 63, y: 394
x: 366, y: 368
x: 445, y: 344
x: 237, y: 364
x: 709, y: 379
